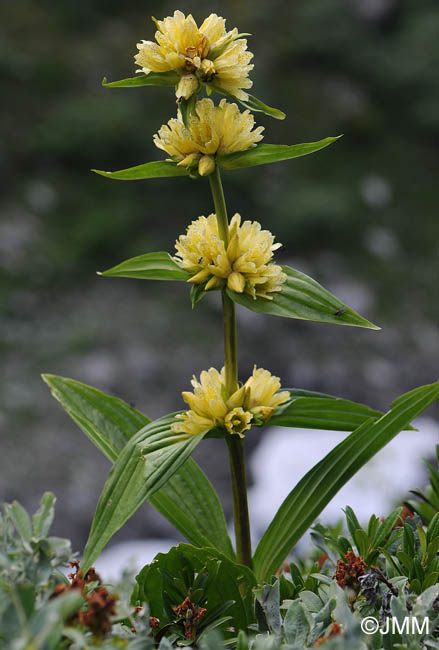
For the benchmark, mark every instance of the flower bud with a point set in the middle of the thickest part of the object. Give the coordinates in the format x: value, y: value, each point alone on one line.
x: 187, y: 86
x: 206, y: 165
x: 236, y: 282
x: 189, y: 160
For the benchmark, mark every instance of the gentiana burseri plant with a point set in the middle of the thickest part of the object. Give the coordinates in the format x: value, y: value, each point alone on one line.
x: 237, y: 258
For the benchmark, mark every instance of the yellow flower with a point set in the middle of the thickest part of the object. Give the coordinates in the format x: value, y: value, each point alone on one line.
x: 210, y: 406
x: 245, y: 266
x: 212, y: 130
x: 209, y: 53
x: 262, y: 394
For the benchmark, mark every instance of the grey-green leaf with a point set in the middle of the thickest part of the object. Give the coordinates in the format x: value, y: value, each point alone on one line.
x: 151, y: 266
x: 43, y: 518
x: 303, y: 298
x: 156, y: 169
x: 21, y: 520
x: 261, y: 154
x: 188, y: 499
x: 144, y: 465
x: 322, y: 413
x: 314, y: 491
x: 46, y: 625
x: 168, y: 78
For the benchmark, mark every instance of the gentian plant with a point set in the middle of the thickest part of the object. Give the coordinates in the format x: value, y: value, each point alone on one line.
x: 236, y: 258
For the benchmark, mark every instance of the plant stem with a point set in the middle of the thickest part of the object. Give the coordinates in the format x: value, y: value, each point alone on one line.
x: 240, y: 505
x: 234, y: 443
x: 220, y: 205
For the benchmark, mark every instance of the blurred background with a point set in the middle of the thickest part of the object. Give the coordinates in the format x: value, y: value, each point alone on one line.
x: 360, y: 217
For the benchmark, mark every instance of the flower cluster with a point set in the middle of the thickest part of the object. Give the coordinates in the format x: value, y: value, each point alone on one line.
x: 204, y: 54
x: 245, y: 265
x: 211, y: 406
x: 212, y: 130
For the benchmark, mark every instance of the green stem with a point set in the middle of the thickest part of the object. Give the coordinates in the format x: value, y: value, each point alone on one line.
x: 230, y: 344
x: 234, y: 443
x: 220, y: 205
x: 240, y: 505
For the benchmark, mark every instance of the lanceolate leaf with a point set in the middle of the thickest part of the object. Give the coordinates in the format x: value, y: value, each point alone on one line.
x: 323, y: 413
x: 304, y: 298
x: 188, y: 499
x: 151, y: 266
x: 252, y: 103
x: 157, y: 169
x: 149, y: 459
x: 169, y: 78
x: 262, y: 154
x: 310, y: 496
x: 108, y: 421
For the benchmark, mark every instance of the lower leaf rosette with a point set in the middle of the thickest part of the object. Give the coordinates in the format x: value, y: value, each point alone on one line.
x: 211, y: 406
x: 245, y: 265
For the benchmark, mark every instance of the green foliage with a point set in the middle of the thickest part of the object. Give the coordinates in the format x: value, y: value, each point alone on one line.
x: 304, y: 298
x: 300, y: 296
x: 204, y: 576
x: 325, y: 412
x: 29, y: 572
x: 151, y: 266
x: 318, y: 486
x: 205, y: 600
x: 159, y: 169
x: 188, y: 499
x: 427, y: 505
x: 107, y: 421
x: 169, y: 78
x: 149, y: 459
x: 261, y: 154
x: 252, y: 103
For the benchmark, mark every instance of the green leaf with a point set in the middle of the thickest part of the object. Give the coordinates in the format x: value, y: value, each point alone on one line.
x: 107, y: 421
x: 303, y: 298
x: 151, y: 266
x: 43, y: 518
x: 223, y: 581
x: 190, y: 503
x: 322, y: 413
x: 197, y: 293
x: 157, y: 169
x: 144, y: 465
x: 188, y: 500
x: 252, y: 103
x: 261, y: 154
x: 314, y: 491
x: 169, y: 78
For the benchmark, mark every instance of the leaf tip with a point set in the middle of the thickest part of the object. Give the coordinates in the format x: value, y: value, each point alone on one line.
x: 100, y: 172
x: 47, y: 378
